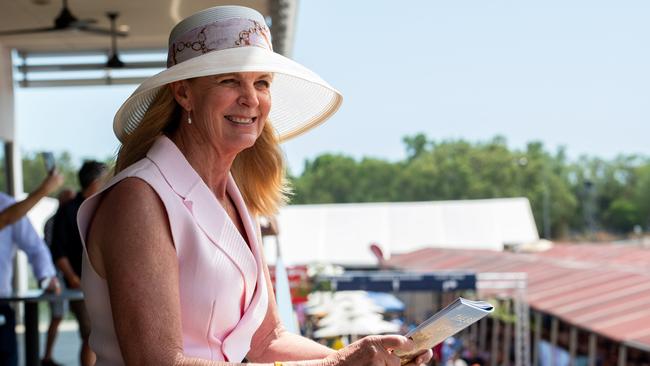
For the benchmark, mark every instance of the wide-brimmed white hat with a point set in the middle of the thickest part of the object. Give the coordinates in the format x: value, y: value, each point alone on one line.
x: 227, y: 39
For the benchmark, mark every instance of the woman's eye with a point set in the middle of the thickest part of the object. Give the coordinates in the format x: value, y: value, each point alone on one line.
x: 228, y: 82
x: 263, y: 84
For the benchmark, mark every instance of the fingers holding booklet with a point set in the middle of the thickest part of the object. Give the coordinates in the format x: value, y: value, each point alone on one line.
x: 452, y: 319
x: 377, y: 350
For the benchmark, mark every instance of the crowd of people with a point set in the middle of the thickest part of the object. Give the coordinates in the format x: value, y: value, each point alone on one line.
x: 16, y: 232
x: 55, y: 259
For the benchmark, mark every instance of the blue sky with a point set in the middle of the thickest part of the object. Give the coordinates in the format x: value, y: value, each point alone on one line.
x: 573, y: 74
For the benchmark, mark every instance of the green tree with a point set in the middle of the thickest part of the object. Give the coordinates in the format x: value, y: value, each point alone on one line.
x: 329, y: 178
x: 600, y: 183
x: 376, y: 181
x: 622, y: 215
x: 415, y: 145
x: 641, y: 193
x: 450, y: 170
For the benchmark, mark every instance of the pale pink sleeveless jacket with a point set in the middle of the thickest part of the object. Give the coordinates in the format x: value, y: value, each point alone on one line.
x: 223, y: 292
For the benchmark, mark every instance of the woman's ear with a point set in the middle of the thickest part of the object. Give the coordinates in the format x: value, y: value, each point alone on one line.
x: 181, y: 93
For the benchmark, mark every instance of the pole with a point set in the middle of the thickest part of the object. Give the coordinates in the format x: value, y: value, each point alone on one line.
x: 538, y: 337
x: 507, y: 334
x: 546, y: 210
x: 573, y: 345
x: 592, y: 349
x: 482, y: 337
x: 555, y: 325
x: 622, y: 355
x: 495, y: 341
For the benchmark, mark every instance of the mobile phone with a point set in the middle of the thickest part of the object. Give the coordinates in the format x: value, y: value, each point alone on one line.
x: 48, y: 159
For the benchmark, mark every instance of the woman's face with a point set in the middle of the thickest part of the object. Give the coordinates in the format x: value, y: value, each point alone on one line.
x: 230, y: 109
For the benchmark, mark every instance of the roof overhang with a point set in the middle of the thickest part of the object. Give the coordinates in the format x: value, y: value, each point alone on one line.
x: 76, y: 58
x: 148, y: 22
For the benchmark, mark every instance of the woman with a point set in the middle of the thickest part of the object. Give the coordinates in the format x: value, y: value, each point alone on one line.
x: 174, y: 272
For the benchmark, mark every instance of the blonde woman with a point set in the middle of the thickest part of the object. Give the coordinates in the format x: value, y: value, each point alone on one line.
x: 174, y: 272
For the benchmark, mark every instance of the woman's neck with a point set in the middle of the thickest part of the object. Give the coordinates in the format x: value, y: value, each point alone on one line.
x: 211, y: 165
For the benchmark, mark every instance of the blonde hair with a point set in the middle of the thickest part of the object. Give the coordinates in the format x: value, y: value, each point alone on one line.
x: 259, y: 171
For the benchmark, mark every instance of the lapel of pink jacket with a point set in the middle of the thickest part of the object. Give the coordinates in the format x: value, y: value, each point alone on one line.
x: 206, y: 209
x: 237, y: 344
x: 217, y: 226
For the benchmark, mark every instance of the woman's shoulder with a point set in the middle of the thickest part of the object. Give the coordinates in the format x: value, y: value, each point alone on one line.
x: 128, y: 212
x: 143, y: 168
x: 132, y: 191
x: 129, y: 205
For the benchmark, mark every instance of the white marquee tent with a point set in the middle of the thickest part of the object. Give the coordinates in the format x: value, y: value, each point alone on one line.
x: 342, y: 233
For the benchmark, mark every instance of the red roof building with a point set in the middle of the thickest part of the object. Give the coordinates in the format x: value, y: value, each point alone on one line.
x: 604, y: 289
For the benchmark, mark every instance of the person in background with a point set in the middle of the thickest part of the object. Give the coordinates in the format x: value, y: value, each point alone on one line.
x: 67, y: 248
x: 16, y: 232
x: 57, y: 308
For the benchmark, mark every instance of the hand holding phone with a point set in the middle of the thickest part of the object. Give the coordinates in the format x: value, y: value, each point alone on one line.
x: 48, y: 159
x: 53, y: 180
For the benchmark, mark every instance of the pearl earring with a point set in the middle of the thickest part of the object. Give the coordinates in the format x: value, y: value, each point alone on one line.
x: 189, y: 120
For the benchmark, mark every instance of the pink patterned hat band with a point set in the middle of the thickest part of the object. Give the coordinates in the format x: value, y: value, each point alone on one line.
x: 218, y: 35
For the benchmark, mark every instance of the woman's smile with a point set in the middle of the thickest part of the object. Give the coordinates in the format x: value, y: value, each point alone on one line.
x: 239, y: 120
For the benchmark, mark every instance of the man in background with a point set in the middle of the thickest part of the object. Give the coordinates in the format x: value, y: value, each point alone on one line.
x: 16, y: 232
x: 58, y: 308
x: 67, y: 248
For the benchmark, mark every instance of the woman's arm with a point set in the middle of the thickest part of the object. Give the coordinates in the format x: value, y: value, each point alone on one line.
x: 272, y: 342
x: 130, y: 245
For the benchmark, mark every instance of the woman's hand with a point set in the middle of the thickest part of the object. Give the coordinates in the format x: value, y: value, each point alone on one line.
x: 376, y: 351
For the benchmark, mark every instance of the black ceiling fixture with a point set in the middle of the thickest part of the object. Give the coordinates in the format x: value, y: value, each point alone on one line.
x: 67, y: 21
x: 114, y: 61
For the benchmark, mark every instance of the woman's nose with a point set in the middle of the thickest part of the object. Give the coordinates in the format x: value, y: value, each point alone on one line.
x: 248, y: 96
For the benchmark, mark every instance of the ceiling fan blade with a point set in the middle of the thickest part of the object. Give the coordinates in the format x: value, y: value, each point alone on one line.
x: 27, y: 31
x: 77, y: 24
x: 101, y: 31
x: 88, y: 21
x: 66, y: 21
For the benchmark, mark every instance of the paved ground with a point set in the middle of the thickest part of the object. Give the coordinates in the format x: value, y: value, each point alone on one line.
x: 66, y: 348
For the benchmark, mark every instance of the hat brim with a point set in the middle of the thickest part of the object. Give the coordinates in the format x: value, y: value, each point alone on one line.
x: 301, y: 100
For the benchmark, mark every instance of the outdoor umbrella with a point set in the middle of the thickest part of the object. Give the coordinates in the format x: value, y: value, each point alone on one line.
x: 367, y: 324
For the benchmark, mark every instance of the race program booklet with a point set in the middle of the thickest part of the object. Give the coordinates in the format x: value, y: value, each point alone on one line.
x: 455, y: 317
